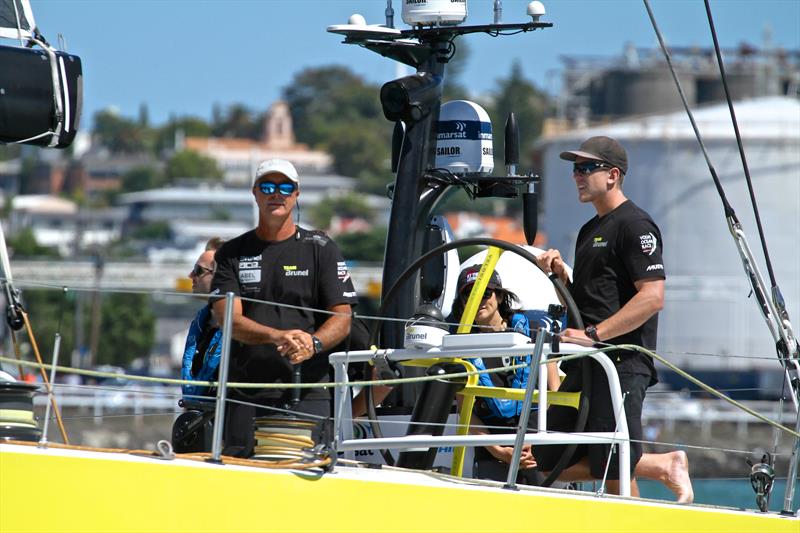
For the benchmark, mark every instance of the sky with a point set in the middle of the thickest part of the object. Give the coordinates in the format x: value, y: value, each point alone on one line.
x: 180, y: 57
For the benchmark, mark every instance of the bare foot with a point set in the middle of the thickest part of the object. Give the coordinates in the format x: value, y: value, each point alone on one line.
x: 677, y: 477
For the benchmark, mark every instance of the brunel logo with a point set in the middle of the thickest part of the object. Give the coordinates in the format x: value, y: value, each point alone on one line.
x: 599, y: 243
x: 291, y: 271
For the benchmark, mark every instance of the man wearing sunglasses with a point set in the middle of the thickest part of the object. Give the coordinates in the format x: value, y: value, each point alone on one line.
x: 285, y: 278
x: 202, y: 350
x: 618, y: 285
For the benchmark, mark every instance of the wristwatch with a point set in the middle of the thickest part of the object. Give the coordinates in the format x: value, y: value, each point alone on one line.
x: 317, y: 344
x: 591, y: 332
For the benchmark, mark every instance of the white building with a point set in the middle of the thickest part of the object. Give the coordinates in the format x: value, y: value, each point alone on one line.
x: 707, y: 306
x: 58, y: 223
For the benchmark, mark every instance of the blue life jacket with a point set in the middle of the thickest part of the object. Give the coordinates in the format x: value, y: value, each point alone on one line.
x: 502, y: 408
x: 208, y: 371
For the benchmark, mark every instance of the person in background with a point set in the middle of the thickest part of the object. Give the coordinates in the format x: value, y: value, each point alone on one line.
x: 202, y: 350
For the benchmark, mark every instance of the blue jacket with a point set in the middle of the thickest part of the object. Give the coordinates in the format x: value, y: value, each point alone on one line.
x: 507, y: 409
x: 208, y: 371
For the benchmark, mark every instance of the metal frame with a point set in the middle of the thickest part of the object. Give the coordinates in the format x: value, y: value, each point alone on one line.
x: 343, y: 432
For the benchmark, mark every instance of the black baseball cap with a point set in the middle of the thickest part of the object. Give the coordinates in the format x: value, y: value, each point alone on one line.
x: 603, y: 149
x: 470, y: 274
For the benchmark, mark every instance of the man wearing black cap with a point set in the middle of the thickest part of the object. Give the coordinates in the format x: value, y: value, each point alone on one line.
x: 618, y: 285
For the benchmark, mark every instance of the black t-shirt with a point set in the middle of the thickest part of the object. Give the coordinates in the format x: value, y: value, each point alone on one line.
x: 304, y: 270
x: 611, y: 253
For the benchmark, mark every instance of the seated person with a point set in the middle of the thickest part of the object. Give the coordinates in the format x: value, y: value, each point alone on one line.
x: 204, y: 342
x: 497, y: 313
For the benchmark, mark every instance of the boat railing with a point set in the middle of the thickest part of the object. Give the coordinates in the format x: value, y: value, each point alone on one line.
x: 514, y: 344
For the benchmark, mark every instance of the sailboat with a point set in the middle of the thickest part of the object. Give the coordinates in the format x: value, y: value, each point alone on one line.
x: 53, y: 487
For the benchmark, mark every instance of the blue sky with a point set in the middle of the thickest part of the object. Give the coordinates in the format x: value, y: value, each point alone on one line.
x: 181, y: 56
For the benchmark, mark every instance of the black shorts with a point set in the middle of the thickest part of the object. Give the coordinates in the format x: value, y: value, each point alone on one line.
x: 601, y: 418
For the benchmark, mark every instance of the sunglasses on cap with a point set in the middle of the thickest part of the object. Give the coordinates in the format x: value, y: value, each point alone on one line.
x: 286, y: 188
x: 199, y: 270
x: 584, y: 169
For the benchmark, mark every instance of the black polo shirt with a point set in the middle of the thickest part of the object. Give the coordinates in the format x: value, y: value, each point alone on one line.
x: 611, y: 253
x: 305, y: 270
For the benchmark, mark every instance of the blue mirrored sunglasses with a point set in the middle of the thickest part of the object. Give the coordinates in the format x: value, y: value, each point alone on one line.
x: 584, y: 169
x: 286, y: 189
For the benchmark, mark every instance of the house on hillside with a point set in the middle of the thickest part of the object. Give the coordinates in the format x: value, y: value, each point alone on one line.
x: 238, y: 158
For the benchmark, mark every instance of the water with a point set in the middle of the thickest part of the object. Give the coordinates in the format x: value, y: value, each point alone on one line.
x: 729, y: 492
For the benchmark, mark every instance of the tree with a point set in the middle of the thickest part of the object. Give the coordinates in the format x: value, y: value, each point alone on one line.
x: 528, y: 103
x: 237, y: 121
x: 348, y: 205
x: 128, y: 329
x: 336, y: 110
x: 362, y: 149
x: 363, y: 246
x: 120, y: 134
x: 454, y: 89
x: 152, y: 231
x: 190, y: 164
x: 24, y: 244
x: 190, y: 126
x: 142, y: 178
x: 322, y: 98
x: 127, y: 324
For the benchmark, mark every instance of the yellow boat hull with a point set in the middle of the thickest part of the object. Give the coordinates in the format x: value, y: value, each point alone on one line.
x: 65, y: 490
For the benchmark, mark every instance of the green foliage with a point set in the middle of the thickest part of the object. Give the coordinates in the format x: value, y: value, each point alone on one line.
x: 190, y: 164
x: 236, y: 121
x: 363, y: 246
x: 9, y: 151
x: 516, y: 93
x: 120, y: 134
x: 457, y: 200
x: 454, y: 89
x: 349, y: 205
x: 142, y: 178
x: 24, y: 244
x: 50, y: 312
x: 190, y: 126
x: 322, y: 98
x: 336, y: 110
x: 362, y: 149
x: 153, y: 231
x: 128, y: 329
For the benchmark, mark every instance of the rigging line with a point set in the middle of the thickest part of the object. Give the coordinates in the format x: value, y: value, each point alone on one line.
x: 729, y: 212
x: 602, y: 488
x: 45, y: 379
x: 248, y: 385
x: 608, y: 347
x: 121, y: 415
x: 727, y: 356
x: 676, y: 445
x: 672, y: 444
x: 709, y: 389
x: 724, y: 77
